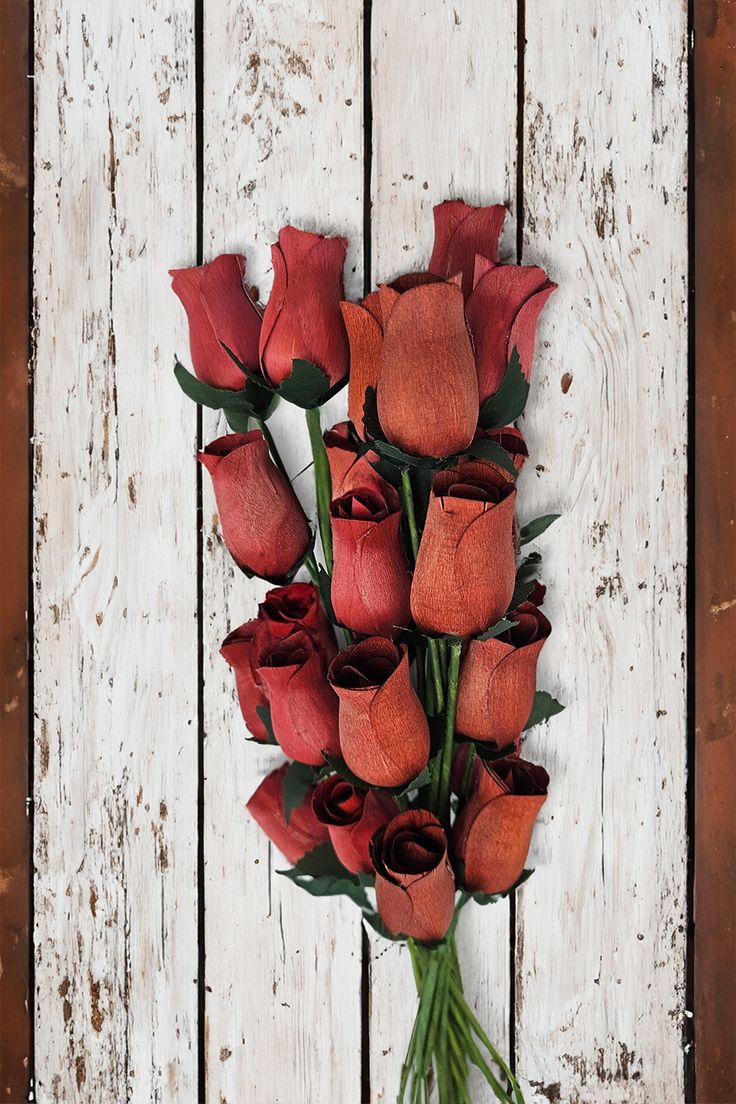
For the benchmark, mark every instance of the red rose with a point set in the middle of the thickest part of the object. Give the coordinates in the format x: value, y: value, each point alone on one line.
x: 303, y: 705
x: 263, y: 525
x: 351, y: 817
x: 466, y: 567
x: 498, y: 679
x: 493, y: 830
x: 287, y: 609
x: 239, y: 653
x: 502, y: 312
x: 370, y: 573
x: 219, y: 309
x: 384, y: 736
x: 427, y: 382
x: 364, y: 325
x: 302, y: 319
x: 461, y: 231
x: 415, y: 886
x: 303, y: 832
x: 348, y: 469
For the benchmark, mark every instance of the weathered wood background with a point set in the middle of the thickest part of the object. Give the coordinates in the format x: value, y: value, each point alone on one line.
x: 170, y: 962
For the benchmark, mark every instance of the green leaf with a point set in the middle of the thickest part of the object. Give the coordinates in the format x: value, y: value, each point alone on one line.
x: 216, y: 398
x: 493, y: 898
x: 375, y: 921
x: 340, y: 767
x: 543, y: 707
x: 509, y: 401
x: 526, y: 577
x: 322, y: 860
x: 307, y: 386
x: 501, y: 626
x: 297, y: 781
x: 329, y: 885
x: 497, y: 454
x: 264, y: 713
x: 254, y: 377
x: 535, y: 528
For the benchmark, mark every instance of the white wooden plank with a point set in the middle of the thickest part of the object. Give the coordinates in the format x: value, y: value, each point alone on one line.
x: 115, y: 556
x: 444, y: 126
x: 601, y: 925
x: 283, y: 144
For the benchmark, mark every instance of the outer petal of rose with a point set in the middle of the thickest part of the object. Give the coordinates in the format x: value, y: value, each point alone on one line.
x: 428, y: 411
x: 496, y: 690
x: 498, y: 840
x: 491, y: 310
x: 210, y: 361
x: 370, y: 580
x: 421, y: 907
x: 487, y: 546
x: 365, y: 339
x: 524, y: 329
x: 314, y: 708
x: 414, y: 279
x: 280, y: 369
x: 348, y: 470
x: 291, y: 737
x: 461, y: 231
x: 234, y: 317
x: 303, y: 832
x: 237, y: 651
x: 379, y: 808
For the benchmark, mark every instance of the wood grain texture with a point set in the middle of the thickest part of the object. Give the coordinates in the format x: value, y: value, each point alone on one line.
x: 601, y: 925
x: 283, y: 142
x: 115, y: 556
x: 715, y: 564
x: 15, y: 118
x: 444, y: 126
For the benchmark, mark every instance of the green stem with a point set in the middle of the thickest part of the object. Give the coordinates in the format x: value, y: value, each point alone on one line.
x: 467, y: 772
x: 445, y: 771
x: 322, y: 482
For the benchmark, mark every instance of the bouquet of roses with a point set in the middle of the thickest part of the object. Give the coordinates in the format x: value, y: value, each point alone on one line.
x: 401, y: 679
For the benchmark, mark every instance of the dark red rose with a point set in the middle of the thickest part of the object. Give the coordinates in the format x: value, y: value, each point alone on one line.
x: 263, y: 525
x: 502, y: 312
x: 498, y: 678
x: 370, y: 574
x: 415, y: 886
x: 466, y: 567
x: 351, y: 816
x: 509, y: 438
x: 219, y: 309
x: 493, y: 829
x: 239, y: 653
x: 287, y: 609
x: 303, y: 832
x: 302, y: 319
x: 384, y: 737
x: 303, y: 705
x: 460, y: 232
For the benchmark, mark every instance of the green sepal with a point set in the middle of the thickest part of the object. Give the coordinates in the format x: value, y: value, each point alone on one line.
x: 535, y: 528
x: 329, y: 885
x: 264, y: 713
x: 543, y: 708
x: 526, y: 577
x: 483, y: 449
x: 298, y: 780
x: 308, y: 385
x: 509, y: 401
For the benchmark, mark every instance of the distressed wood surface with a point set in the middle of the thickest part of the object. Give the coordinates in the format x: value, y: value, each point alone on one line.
x: 601, y: 925
x: 283, y: 142
x: 115, y: 557
x: 431, y: 85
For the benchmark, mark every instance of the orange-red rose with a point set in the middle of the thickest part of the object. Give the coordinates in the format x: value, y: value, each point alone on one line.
x: 348, y: 468
x: 466, y: 566
x: 415, y: 886
x: 263, y: 525
x: 351, y: 817
x: 384, y: 737
x: 303, y: 832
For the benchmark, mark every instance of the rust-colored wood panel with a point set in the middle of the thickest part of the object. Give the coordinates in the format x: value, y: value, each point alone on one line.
x: 15, y: 1036
x: 715, y: 562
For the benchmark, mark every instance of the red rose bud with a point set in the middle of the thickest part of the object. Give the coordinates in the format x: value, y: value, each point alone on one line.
x: 502, y: 312
x: 302, y: 319
x: 427, y: 382
x: 509, y: 438
x: 303, y: 832
x: 263, y: 525
x: 384, y: 737
x: 370, y: 573
x: 303, y: 705
x: 288, y: 609
x: 351, y: 817
x: 364, y: 325
x: 219, y: 309
x: 415, y: 886
x: 466, y: 567
x: 493, y: 830
x: 461, y: 231
x: 348, y: 469
x: 239, y: 653
x: 498, y: 678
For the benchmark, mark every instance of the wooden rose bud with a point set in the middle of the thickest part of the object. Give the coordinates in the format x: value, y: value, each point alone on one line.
x: 348, y: 468
x: 461, y: 232
x: 301, y: 834
x: 219, y: 309
x: 303, y: 706
x: 384, y: 736
x: 351, y: 817
x: 239, y: 651
x: 415, y: 886
x: 287, y: 609
x: 370, y: 573
x: 498, y: 678
x: 493, y: 829
x: 264, y: 527
x: 427, y: 381
x: 302, y: 319
x: 466, y: 566
x: 502, y: 312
